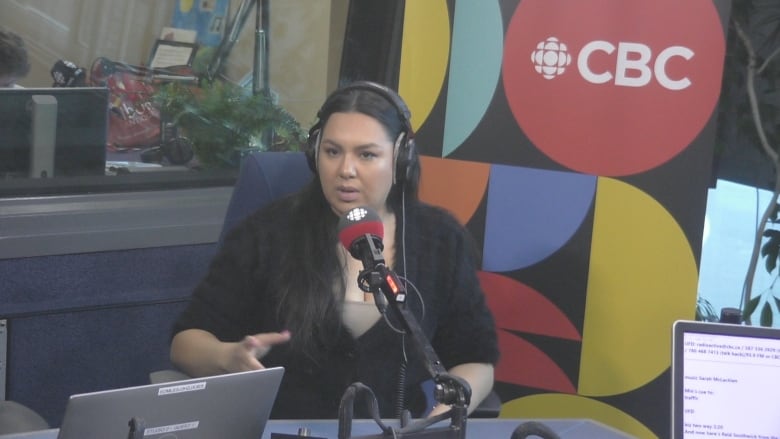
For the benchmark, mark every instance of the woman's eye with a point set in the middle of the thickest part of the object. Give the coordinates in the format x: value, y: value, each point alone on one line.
x: 368, y: 155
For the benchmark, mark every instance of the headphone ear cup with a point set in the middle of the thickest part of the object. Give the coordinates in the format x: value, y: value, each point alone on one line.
x: 403, y: 160
x: 313, y: 144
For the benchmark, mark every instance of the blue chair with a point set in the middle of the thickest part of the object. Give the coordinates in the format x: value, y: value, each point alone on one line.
x: 263, y: 178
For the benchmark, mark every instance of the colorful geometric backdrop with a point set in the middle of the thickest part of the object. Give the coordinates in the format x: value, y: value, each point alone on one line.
x: 574, y: 140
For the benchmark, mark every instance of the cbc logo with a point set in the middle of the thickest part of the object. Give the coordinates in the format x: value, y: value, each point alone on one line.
x: 632, y: 65
x: 550, y: 58
x: 357, y: 214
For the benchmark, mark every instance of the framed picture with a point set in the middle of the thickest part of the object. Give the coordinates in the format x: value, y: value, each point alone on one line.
x: 168, y: 53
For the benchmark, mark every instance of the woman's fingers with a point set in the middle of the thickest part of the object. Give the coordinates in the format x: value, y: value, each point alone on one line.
x: 260, y: 344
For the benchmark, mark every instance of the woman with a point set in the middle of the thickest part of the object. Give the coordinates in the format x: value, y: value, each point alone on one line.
x: 283, y: 291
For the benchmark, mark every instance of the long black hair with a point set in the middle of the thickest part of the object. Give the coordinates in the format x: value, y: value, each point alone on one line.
x: 311, y: 265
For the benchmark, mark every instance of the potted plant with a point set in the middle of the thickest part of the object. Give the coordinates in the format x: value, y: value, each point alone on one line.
x: 750, y: 102
x: 224, y: 121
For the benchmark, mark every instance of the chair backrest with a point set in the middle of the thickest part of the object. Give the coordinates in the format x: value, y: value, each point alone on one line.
x: 265, y: 177
x: 17, y: 418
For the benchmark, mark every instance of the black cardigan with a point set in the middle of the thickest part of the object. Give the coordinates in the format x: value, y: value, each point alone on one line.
x: 233, y: 300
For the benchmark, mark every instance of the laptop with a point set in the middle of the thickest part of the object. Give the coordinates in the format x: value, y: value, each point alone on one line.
x: 234, y: 405
x: 725, y: 380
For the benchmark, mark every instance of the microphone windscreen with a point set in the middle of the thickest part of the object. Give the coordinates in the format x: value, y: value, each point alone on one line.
x: 67, y: 74
x: 359, y: 222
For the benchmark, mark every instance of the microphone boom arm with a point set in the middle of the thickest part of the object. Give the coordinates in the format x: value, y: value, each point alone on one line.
x: 455, y: 390
x: 390, y: 292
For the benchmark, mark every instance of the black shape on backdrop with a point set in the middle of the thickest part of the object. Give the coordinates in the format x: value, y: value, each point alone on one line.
x: 372, y: 42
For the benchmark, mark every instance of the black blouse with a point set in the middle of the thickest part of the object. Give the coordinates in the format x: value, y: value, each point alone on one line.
x: 233, y: 300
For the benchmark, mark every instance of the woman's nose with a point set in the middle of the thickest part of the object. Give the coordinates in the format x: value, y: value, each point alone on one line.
x: 347, y: 166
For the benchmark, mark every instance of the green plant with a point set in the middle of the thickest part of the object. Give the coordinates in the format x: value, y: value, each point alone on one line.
x: 224, y: 121
x: 705, y: 311
x: 751, y: 100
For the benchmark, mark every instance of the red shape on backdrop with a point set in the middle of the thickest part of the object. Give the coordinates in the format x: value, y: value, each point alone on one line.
x: 613, y: 87
x: 519, y: 307
x: 524, y: 364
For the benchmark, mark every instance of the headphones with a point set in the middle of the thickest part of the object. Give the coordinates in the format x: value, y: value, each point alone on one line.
x: 404, y: 145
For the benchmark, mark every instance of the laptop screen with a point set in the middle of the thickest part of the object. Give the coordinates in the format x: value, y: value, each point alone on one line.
x: 226, y: 406
x: 725, y: 378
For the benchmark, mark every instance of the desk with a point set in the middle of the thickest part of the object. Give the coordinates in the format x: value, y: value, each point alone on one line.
x: 475, y: 429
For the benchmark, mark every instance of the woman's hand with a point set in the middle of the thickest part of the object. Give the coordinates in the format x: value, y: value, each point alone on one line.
x: 246, y: 354
x: 199, y: 353
x: 479, y: 376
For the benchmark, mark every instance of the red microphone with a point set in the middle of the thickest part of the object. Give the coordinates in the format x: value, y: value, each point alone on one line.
x: 361, y: 231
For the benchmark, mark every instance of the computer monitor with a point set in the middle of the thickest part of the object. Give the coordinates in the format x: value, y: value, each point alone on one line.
x: 73, y: 122
x: 724, y: 379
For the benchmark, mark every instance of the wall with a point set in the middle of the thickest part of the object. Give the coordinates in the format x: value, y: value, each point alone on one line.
x: 91, y: 284
x: 92, y: 321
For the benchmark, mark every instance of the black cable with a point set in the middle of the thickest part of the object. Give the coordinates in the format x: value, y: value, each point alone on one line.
x: 346, y: 409
x: 400, y: 401
x: 400, y: 396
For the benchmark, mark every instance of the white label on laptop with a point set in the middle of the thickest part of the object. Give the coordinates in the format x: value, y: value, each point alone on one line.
x: 171, y: 428
x: 194, y: 387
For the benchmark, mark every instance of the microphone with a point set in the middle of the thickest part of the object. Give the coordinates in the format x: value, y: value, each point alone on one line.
x: 361, y: 231
x: 68, y: 74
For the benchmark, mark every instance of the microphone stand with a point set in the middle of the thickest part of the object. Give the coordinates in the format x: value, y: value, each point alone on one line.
x: 260, y: 65
x: 260, y: 70
x: 390, y: 293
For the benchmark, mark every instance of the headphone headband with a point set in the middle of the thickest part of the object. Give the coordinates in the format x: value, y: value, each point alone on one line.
x: 404, y: 115
x: 404, y: 143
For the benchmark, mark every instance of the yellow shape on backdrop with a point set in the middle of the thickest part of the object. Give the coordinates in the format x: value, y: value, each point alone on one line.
x: 642, y: 277
x: 425, y: 52
x: 558, y: 406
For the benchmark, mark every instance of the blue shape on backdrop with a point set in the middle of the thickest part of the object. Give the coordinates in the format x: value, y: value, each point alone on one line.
x: 532, y: 213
